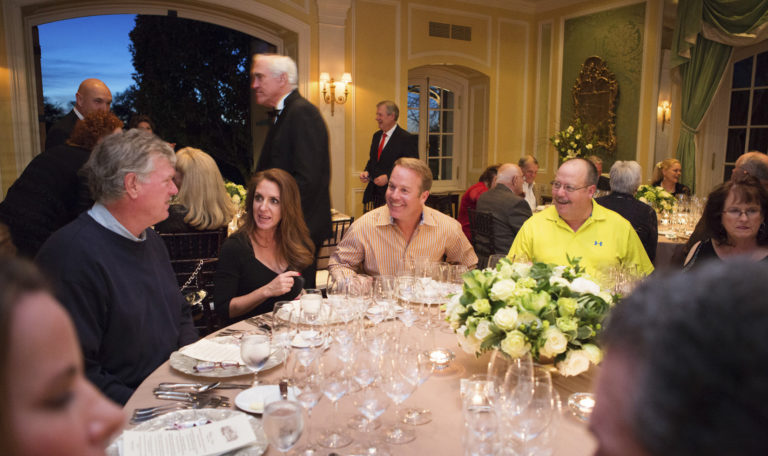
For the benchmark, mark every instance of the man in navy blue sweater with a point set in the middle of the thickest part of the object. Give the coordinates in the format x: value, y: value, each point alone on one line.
x: 111, y: 270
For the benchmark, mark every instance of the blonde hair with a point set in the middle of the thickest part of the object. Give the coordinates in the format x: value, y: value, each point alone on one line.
x: 202, y: 190
x: 658, y: 175
x: 420, y: 168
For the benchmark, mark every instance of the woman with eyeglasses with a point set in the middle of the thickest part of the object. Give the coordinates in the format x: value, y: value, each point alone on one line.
x: 735, y: 219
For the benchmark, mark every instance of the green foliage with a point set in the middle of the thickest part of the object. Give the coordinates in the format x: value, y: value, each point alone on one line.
x: 52, y: 112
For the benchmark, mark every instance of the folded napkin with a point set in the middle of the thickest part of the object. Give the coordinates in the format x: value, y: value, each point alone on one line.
x: 207, y: 350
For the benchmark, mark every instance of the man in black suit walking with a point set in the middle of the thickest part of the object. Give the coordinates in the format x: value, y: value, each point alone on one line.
x: 297, y: 142
x: 92, y: 95
x: 389, y: 143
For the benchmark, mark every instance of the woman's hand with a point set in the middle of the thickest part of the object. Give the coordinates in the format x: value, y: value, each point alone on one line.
x: 281, y: 284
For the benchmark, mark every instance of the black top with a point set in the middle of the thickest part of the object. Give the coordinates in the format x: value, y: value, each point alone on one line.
x: 123, y: 298
x: 704, y: 253
x: 48, y: 195
x: 61, y: 130
x: 680, y: 189
x: 401, y: 144
x: 239, y: 273
x: 509, y: 212
x: 640, y: 215
x: 175, y: 222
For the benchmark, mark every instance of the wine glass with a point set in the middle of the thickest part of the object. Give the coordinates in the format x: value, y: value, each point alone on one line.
x: 372, y: 403
x: 284, y: 329
x: 535, y: 417
x: 398, y: 387
x: 383, y: 299
x: 309, y: 387
x: 311, y: 304
x: 364, y: 372
x: 255, y: 349
x: 335, y: 386
x: 405, y: 292
x: 283, y: 424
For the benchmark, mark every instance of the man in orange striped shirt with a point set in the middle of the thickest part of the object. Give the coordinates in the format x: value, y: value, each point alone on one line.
x: 403, y: 228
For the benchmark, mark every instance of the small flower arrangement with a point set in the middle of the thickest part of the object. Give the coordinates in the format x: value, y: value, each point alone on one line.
x: 237, y: 192
x: 555, y: 313
x: 572, y: 142
x: 656, y: 197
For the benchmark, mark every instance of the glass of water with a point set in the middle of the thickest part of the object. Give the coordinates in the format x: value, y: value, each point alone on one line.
x: 283, y: 424
x: 255, y: 349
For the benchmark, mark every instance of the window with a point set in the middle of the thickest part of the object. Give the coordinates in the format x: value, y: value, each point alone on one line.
x: 748, y: 116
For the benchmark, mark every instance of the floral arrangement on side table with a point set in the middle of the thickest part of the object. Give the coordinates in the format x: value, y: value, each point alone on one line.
x: 572, y: 142
x: 656, y: 197
x: 237, y: 192
x: 553, y: 312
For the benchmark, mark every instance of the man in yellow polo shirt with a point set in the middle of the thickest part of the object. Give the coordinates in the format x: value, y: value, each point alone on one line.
x: 576, y: 226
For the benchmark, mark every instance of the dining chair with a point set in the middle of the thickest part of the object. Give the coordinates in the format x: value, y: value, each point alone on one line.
x: 483, y: 238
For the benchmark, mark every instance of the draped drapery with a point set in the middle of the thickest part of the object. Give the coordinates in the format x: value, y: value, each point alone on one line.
x: 702, y: 42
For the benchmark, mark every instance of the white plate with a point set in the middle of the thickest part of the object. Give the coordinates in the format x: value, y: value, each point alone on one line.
x: 326, y: 317
x: 182, y: 416
x: 186, y: 364
x: 254, y: 400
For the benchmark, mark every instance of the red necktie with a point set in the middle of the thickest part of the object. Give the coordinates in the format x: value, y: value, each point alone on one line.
x: 381, y: 145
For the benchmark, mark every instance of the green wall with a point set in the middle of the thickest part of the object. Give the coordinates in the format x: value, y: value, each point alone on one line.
x: 617, y: 37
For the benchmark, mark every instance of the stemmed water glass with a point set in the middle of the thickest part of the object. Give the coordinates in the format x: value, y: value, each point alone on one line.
x: 309, y: 387
x: 536, y: 416
x: 399, y: 387
x: 417, y: 365
x: 372, y: 403
x: 284, y: 329
x: 405, y: 293
x: 311, y: 305
x: 335, y: 386
x: 383, y: 299
x: 255, y: 349
x: 364, y: 372
x: 283, y: 424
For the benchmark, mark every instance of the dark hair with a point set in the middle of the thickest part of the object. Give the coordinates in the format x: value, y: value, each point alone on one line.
x: 93, y: 127
x: 696, y: 343
x: 136, y: 119
x: 488, y: 175
x: 18, y: 277
x: 526, y: 159
x: 292, y: 234
x: 746, y: 189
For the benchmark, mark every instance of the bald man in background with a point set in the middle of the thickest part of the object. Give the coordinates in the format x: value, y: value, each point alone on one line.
x: 92, y: 95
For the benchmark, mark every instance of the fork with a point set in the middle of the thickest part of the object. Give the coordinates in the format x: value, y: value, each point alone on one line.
x: 144, y: 414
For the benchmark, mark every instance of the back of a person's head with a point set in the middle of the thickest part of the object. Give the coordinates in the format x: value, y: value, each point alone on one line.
x: 696, y: 343
x: 92, y: 128
x: 753, y: 163
x: 625, y: 176
x: 202, y: 190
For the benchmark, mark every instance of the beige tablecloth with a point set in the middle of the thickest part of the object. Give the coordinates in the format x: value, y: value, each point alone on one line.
x: 440, y: 393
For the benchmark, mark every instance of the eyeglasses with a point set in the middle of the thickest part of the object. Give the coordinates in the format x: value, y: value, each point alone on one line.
x: 567, y: 187
x: 737, y: 213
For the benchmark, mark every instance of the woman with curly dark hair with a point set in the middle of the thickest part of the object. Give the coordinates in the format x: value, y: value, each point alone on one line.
x: 49, y: 193
x: 259, y: 264
x: 735, y: 218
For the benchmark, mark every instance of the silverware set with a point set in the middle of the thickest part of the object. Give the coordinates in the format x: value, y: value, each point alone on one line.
x: 185, y: 396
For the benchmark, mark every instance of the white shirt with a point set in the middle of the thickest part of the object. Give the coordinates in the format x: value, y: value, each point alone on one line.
x: 389, y: 135
x: 77, y: 113
x: 529, y: 196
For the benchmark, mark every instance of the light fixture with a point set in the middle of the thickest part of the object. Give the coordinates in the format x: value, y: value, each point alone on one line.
x: 329, y: 88
x: 664, y: 112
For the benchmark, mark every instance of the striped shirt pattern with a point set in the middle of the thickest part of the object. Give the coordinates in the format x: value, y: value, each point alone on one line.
x: 374, y: 244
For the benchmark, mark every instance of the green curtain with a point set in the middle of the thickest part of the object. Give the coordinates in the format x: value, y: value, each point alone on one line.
x: 701, y: 77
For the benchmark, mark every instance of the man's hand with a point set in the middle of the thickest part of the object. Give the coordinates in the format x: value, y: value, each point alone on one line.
x: 364, y: 176
x: 381, y: 180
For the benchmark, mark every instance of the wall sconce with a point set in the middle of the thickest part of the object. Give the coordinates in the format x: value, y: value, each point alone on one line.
x: 664, y: 112
x: 329, y: 88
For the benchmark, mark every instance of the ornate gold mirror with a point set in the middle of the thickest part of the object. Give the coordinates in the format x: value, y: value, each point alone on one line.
x: 594, y: 101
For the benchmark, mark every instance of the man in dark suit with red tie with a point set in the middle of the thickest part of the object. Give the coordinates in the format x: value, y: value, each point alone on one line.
x: 297, y: 142
x: 389, y: 143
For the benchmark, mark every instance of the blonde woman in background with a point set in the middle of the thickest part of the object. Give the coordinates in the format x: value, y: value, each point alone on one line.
x: 666, y: 174
x: 202, y: 203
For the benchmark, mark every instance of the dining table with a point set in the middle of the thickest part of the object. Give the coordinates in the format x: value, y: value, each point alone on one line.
x: 440, y: 393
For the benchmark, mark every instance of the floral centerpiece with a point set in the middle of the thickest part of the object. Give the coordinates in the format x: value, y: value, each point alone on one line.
x: 656, y: 197
x: 237, y: 192
x: 572, y: 142
x: 555, y: 313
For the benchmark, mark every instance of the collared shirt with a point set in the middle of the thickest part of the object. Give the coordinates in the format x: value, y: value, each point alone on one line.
x: 281, y: 104
x: 530, y: 197
x: 103, y: 217
x: 604, y: 240
x: 389, y: 135
x: 77, y: 113
x: 374, y: 244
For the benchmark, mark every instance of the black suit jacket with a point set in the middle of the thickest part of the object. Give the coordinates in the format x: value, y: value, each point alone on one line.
x: 60, y: 131
x: 509, y: 213
x: 298, y: 144
x: 401, y: 144
x: 640, y: 215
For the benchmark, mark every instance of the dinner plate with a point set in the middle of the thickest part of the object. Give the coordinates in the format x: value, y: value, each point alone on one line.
x: 326, y: 317
x: 186, y: 364
x: 254, y: 400
x: 182, y: 417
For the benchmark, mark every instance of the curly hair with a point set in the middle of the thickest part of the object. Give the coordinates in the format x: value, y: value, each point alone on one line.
x: 746, y: 189
x: 92, y: 128
x: 292, y: 234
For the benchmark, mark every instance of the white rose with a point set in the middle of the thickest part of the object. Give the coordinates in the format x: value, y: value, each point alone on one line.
x: 559, y: 281
x: 522, y: 269
x: 582, y: 285
x: 506, y: 318
x: 503, y: 290
x: 555, y: 342
x: 594, y: 353
x: 575, y: 362
x: 557, y: 271
x: 469, y: 343
x: 515, y: 345
x: 483, y: 330
x: 453, y: 304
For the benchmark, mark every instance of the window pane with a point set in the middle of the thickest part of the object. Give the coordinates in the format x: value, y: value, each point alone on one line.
x: 761, y: 72
x: 742, y: 73
x: 447, y: 145
x: 434, y: 146
x: 434, y: 166
x: 413, y: 121
x: 728, y: 170
x: 434, y: 97
x: 739, y: 108
x: 447, y: 99
x: 735, y: 147
x: 434, y: 121
x: 760, y: 107
x: 758, y: 139
x: 447, y: 169
x: 447, y: 121
x: 413, y: 96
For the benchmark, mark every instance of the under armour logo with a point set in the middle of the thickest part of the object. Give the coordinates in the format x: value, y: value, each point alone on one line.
x: 600, y: 243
